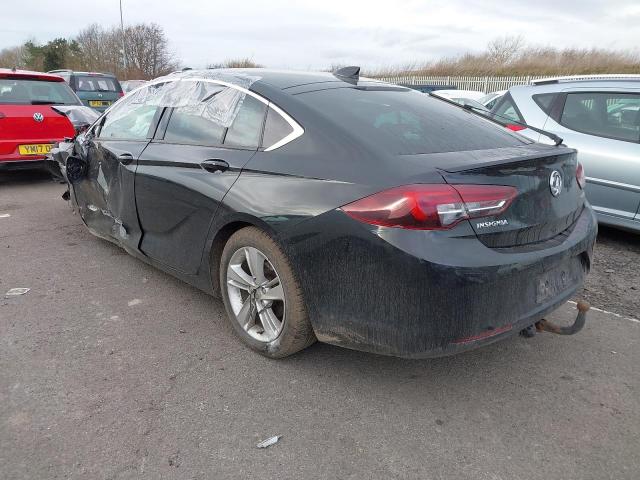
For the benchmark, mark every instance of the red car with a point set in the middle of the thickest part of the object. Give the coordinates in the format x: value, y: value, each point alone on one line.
x: 29, y: 126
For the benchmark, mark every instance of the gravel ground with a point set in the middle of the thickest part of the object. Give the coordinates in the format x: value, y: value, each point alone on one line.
x: 111, y: 369
x: 614, y: 281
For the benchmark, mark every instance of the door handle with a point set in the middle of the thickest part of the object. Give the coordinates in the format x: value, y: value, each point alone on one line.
x: 125, y: 158
x: 214, y: 165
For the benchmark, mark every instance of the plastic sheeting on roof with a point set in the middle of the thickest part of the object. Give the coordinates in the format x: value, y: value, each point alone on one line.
x: 193, y: 94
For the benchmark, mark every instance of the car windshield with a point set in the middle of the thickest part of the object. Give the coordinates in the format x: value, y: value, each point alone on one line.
x: 487, y: 98
x: 88, y: 83
x: 408, y: 122
x: 18, y: 91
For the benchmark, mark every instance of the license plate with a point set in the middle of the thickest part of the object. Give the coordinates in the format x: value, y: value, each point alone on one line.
x: 99, y: 103
x: 35, y: 149
x: 555, y: 282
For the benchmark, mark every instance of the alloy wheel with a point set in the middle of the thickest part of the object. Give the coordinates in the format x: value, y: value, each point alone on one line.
x: 256, y: 294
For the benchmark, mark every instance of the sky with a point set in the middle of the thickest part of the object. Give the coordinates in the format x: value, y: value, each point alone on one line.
x: 319, y: 34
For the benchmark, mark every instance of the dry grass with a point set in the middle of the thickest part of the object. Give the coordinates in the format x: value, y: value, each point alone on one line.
x: 236, y: 63
x: 510, y: 56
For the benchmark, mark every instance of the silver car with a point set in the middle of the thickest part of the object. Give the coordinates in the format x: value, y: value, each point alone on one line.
x: 601, y: 119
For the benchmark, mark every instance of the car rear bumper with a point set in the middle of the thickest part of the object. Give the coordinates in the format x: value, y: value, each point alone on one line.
x: 23, y: 164
x: 420, y: 294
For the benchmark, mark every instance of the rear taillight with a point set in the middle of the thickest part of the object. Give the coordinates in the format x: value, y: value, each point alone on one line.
x: 514, y: 127
x: 431, y: 207
x: 580, y: 177
x: 121, y: 94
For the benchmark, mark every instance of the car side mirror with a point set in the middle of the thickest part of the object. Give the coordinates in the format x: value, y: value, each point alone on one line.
x: 76, y: 169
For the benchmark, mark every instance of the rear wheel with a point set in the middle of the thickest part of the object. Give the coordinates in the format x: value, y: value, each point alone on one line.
x: 262, y: 297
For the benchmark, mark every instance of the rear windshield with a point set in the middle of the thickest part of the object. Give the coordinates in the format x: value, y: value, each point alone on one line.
x: 408, y: 122
x: 16, y: 91
x: 88, y: 83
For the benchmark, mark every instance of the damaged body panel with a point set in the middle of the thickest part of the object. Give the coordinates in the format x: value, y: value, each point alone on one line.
x: 411, y: 227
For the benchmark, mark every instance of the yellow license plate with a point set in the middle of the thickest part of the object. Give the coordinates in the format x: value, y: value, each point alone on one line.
x: 35, y: 149
x: 99, y: 103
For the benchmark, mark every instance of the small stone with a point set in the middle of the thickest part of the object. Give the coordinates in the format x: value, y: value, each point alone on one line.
x: 182, y: 331
x: 609, y: 270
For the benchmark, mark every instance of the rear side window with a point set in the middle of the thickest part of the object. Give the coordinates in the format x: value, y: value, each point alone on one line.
x: 247, y: 126
x: 544, y: 101
x: 506, y: 111
x: 16, y: 91
x: 201, y: 122
x: 87, y: 83
x: 407, y: 122
x: 276, y: 128
x: 609, y: 115
x: 215, y: 115
x: 189, y: 127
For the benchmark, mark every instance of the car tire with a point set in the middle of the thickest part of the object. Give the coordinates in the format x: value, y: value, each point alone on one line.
x: 295, y: 331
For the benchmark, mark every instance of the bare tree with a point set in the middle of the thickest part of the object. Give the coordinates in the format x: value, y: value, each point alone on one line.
x: 147, y: 51
x: 504, y: 50
x: 14, y: 57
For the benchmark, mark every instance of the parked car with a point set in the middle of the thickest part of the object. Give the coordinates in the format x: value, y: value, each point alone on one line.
x: 128, y: 85
x: 360, y: 213
x: 96, y: 90
x: 600, y: 119
x: 461, y: 100
x: 29, y: 123
x: 490, y: 99
x: 451, y: 94
x: 428, y: 88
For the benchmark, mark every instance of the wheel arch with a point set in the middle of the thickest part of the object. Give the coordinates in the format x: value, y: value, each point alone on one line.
x: 220, y: 233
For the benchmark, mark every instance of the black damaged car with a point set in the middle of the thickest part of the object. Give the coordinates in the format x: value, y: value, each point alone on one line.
x: 332, y: 207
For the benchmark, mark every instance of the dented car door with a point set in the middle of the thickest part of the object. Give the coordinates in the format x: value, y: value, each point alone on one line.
x: 105, y: 196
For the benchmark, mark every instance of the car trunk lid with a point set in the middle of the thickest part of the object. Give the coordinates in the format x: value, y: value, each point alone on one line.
x: 548, y: 202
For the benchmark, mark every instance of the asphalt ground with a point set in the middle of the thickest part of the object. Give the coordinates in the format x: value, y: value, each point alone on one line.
x: 112, y: 369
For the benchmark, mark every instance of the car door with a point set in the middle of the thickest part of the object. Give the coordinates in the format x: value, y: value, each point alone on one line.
x: 185, y: 172
x: 604, y: 127
x: 105, y: 196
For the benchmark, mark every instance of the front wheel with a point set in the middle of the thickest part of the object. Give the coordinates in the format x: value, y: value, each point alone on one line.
x: 262, y: 296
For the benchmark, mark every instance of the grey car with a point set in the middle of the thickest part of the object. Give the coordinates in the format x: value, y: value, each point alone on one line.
x: 598, y: 117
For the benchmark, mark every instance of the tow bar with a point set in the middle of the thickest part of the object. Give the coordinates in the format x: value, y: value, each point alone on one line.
x: 547, y: 326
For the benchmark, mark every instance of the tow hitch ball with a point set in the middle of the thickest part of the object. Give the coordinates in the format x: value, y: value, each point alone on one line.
x: 547, y: 326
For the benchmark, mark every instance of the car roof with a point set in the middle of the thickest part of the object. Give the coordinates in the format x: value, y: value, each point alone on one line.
x: 280, y: 79
x: 29, y: 75
x: 559, y: 86
x: 74, y: 72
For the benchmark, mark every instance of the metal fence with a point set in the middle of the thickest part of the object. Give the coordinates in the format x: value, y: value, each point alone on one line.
x: 483, y: 84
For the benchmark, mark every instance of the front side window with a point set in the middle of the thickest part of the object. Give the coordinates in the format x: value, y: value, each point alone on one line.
x: 610, y: 115
x: 132, y: 117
